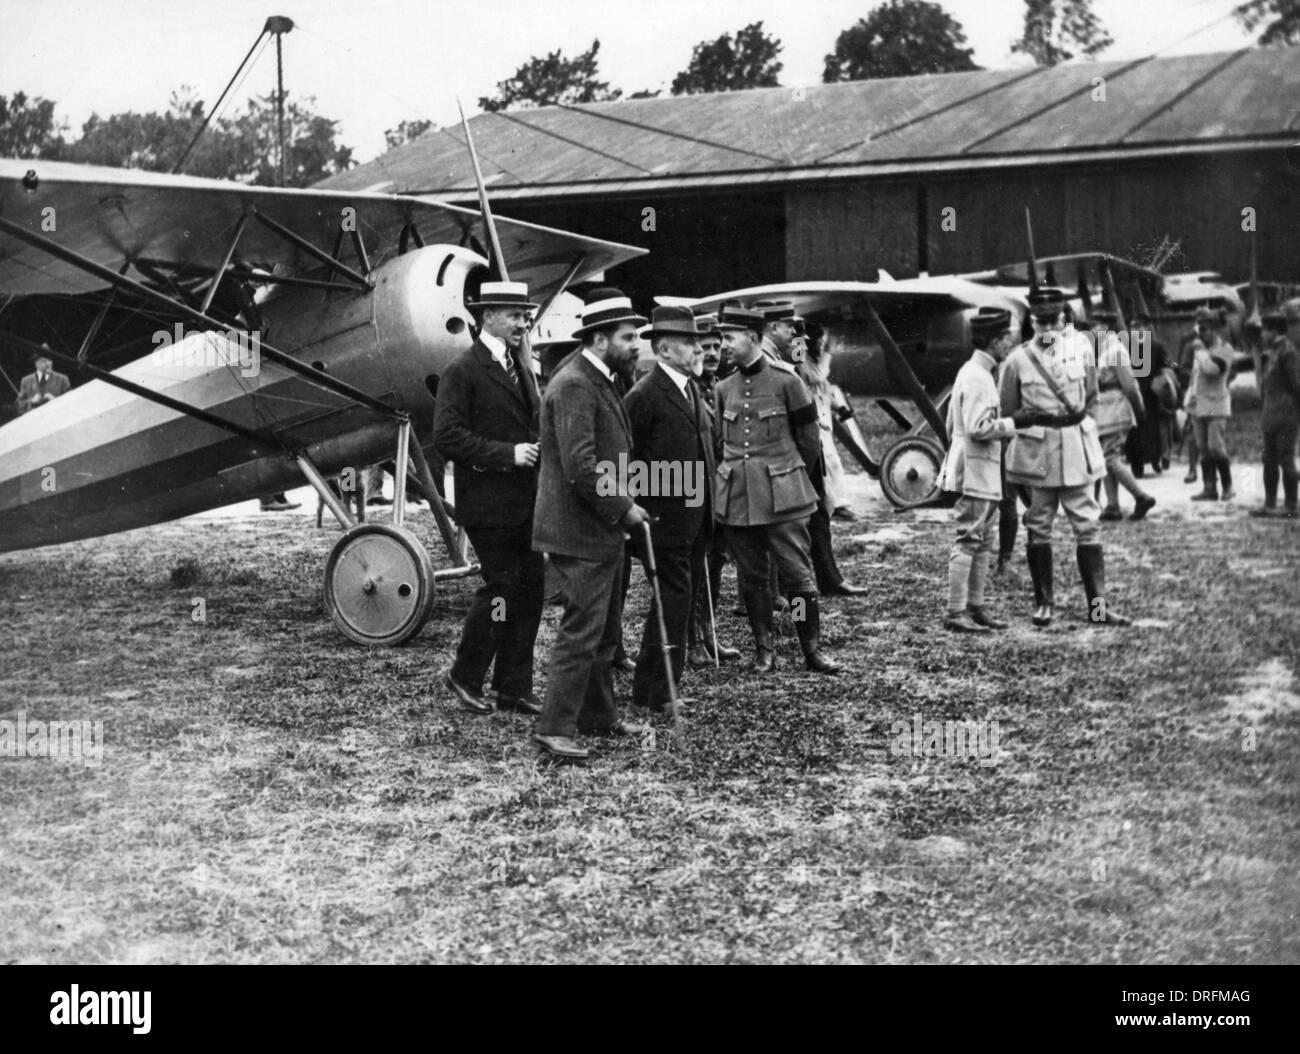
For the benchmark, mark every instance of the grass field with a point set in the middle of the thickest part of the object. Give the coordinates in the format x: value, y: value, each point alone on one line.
x: 269, y: 793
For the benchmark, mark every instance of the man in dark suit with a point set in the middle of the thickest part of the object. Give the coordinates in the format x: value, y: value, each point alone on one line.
x: 486, y: 422
x: 580, y: 519
x: 41, y: 387
x: 672, y: 443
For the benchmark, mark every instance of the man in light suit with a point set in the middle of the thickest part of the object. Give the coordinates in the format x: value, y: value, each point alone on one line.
x: 973, y: 468
x: 580, y: 519
x: 41, y: 387
x: 673, y: 438
x: 486, y: 423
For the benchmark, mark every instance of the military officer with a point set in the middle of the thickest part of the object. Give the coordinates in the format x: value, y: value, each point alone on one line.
x: 764, y: 487
x: 973, y: 468
x: 1209, y: 403
x: 779, y: 327
x: 1060, y: 459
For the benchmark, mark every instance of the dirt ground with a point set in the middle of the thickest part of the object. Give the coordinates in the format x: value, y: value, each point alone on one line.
x: 269, y: 792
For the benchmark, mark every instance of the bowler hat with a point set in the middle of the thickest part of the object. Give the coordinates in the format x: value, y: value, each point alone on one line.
x: 503, y: 294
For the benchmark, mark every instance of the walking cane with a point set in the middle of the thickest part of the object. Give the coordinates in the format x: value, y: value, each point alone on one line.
x: 674, y: 703
x: 713, y: 626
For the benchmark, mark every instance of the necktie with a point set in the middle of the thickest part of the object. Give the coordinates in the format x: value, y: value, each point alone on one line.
x: 511, y: 372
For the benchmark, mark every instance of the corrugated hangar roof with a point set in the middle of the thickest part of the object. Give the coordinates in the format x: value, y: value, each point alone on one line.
x: 985, y: 118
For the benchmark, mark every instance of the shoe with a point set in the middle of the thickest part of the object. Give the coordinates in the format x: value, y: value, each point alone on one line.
x: 845, y: 589
x: 622, y: 664
x: 1143, y: 506
x: 1265, y: 512
x: 1191, y: 476
x: 818, y: 663
x: 560, y: 748
x: 1228, y: 495
x: 279, y: 506
x: 844, y: 513
x: 471, y: 699
x: 620, y: 729
x: 699, y: 657
x: 1111, y: 513
x: 1206, y: 495
x: 764, y: 661
x: 524, y: 704
x: 961, y: 622
x: 1004, y: 561
x: 379, y: 499
x: 726, y: 654
x: 982, y: 618
x: 780, y: 605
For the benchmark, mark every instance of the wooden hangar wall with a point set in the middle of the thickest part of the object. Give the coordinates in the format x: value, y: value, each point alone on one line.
x: 1127, y: 208
x: 708, y: 241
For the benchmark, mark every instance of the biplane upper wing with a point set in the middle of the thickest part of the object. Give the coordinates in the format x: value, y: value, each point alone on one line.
x: 185, y: 224
x: 824, y: 302
x: 1066, y: 272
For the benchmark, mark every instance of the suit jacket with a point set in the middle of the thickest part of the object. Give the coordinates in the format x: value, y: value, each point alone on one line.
x: 480, y: 416
x: 585, y: 434
x: 29, y: 389
x: 973, y: 465
x: 675, y: 442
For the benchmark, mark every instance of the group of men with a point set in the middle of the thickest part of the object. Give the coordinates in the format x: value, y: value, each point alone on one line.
x: 1052, y: 426
x: 548, y: 474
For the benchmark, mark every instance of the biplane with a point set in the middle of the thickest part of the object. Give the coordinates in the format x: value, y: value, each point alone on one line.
x: 295, y: 333
x: 894, y: 341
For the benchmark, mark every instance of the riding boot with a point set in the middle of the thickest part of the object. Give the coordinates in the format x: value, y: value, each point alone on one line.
x: 1040, y: 573
x: 758, y: 606
x: 1209, y: 474
x: 809, y: 629
x: 1092, y: 569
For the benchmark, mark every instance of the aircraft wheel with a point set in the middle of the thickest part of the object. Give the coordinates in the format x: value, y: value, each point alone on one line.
x: 909, y: 472
x: 379, y: 584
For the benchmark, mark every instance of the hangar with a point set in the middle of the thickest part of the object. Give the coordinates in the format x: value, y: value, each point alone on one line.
x: 1143, y: 158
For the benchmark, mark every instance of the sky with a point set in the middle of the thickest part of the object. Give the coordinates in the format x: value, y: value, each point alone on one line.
x: 372, y: 63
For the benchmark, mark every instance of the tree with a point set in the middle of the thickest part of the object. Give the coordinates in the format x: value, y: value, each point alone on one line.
x: 554, y: 79
x: 27, y: 127
x: 243, y: 148
x: 1285, y: 25
x: 1052, y: 36
x: 726, y: 65
x: 406, y: 132
x: 898, y: 39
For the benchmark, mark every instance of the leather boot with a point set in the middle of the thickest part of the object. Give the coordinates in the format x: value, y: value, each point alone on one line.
x: 758, y: 606
x: 979, y: 575
x: 1040, y: 572
x: 809, y: 629
x: 1209, y: 473
x: 1092, y: 569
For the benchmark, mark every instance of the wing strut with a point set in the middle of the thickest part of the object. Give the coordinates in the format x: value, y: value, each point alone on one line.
x: 323, y: 380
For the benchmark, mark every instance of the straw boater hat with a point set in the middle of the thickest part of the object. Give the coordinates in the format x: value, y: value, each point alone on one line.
x: 604, y: 308
x: 734, y: 318
x: 502, y: 294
